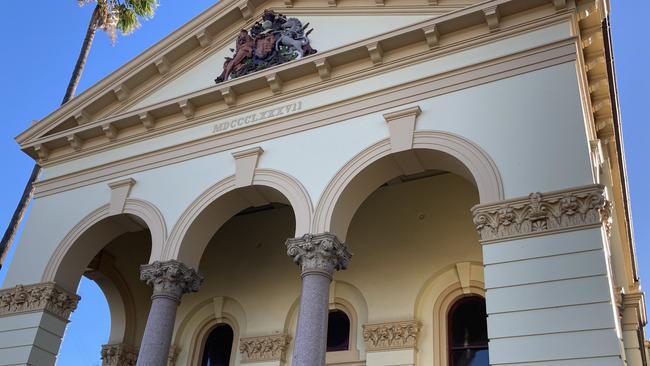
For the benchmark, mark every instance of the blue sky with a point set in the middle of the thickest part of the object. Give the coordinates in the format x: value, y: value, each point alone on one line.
x: 40, y: 47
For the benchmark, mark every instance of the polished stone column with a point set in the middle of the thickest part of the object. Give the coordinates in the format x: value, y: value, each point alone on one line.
x: 170, y: 280
x: 318, y: 256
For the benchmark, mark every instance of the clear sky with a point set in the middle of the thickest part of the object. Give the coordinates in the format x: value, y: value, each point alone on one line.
x: 40, y: 48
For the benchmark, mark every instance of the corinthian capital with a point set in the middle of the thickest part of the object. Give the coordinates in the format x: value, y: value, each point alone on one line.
x: 322, y: 252
x: 171, y: 278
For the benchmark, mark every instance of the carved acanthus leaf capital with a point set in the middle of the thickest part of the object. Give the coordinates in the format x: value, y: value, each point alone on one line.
x: 322, y: 252
x: 386, y: 336
x: 38, y: 297
x: 265, y: 348
x: 171, y: 278
x: 540, y: 213
x: 119, y: 355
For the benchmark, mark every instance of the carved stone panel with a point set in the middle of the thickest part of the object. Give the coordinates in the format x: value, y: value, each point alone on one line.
x: 388, y: 336
x: 119, y: 355
x: 541, y: 213
x: 38, y: 297
x: 265, y: 348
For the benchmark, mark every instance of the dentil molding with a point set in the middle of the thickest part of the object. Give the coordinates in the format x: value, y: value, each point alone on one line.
x: 38, y: 297
x: 542, y: 213
x: 265, y: 348
x: 390, y: 336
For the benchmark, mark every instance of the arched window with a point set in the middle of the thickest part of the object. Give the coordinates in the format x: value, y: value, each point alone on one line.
x: 338, y: 331
x: 218, y: 346
x: 468, y: 340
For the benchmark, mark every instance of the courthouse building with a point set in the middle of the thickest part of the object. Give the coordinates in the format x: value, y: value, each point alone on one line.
x: 341, y: 182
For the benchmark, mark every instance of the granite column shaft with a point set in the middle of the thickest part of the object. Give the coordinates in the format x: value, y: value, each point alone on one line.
x: 170, y: 280
x: 318, y: 257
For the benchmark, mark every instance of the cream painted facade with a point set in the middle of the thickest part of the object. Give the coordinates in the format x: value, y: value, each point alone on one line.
x: 456, y: 148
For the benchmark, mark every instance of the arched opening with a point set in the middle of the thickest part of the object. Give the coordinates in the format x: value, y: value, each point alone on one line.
x: 79, y: 345
x: 338, y: 331
x: 237, y: 243
x: 218, y: 346
x: 433, y: 152
x: 467, y: 329
x: 406, y: 217
x: 106, y: 253
x: 217, y: 205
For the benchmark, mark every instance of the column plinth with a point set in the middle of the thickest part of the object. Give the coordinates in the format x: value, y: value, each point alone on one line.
x: 170, y: 280
x: 318, y: 257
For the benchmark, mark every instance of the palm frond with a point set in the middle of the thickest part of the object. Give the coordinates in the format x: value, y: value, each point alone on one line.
x: 121, y: 15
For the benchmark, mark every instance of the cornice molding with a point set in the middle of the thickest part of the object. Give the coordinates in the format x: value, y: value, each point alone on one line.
x: 264, y: 348
x: 97, y: 129
x: 543, y: 213
x: 393, y: 97
x: 391, y: 336
x: 38, y: 297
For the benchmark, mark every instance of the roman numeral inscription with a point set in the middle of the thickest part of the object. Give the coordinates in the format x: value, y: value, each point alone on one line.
x: 257, y: 117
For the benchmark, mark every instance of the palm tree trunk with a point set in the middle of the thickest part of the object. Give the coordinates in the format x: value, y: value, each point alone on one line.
x: 19, y: 212
x: 83, y: 56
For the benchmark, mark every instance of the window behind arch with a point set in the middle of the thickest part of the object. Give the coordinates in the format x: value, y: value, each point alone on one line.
x: 218, y: 346
x: 468, y: 340
x: 338, y: 331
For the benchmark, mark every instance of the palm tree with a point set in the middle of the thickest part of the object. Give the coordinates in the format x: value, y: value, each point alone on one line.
x: 110, y: 16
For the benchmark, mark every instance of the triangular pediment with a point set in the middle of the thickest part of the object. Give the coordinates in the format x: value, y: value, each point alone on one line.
x: 190, y: 58
x: 330, y: 32
x: 171, y: 85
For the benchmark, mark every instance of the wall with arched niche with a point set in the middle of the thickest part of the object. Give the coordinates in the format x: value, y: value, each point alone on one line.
x: 435, y: 299
x: 191, y: 331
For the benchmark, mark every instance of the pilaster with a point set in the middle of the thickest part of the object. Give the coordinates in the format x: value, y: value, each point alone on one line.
x: 32, y: 323
x: 548, y: 287
x: 633, y: 319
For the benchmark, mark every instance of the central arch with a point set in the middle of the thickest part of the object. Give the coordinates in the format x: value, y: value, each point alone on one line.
x: 191, y: 234
x: 364, y: 173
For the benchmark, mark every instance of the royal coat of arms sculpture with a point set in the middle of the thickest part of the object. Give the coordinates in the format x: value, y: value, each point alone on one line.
x: 272, y: 41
